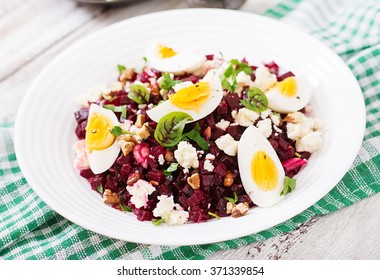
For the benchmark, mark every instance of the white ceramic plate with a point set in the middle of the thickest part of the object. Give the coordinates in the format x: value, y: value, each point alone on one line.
x: 44, y: 133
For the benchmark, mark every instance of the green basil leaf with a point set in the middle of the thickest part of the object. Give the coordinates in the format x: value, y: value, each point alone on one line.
x: 195, y: 136
x: 172, y: 167
x: 170, y: 127
x: 139, y: 94
x: 214, y: 215
x: 125, y: 208
x: 117, y: 109
x: 100, y: 188
x: 289, y: 185
x: 121, y: 68
x: 256, y: 100
x: 158, y: 222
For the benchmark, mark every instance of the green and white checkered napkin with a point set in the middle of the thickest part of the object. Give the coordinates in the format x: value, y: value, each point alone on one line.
x: 29, y: 229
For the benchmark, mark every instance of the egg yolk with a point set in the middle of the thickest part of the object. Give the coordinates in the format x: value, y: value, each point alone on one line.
x: 287, y: 87
x: 166, y: 52
x: 192, y: 97
x: 264, y: 171
x: 98, y: 135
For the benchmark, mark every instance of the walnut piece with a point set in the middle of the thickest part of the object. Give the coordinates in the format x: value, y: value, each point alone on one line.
x: 127, y: 75
x: 228, y: 179
x: 140, y: 120
x: 133, y: 178
x: 194, y: 181
x: 229, y: 207
x: 144, y: 132
x: 240, y: 210
x: 127, y: 142
x: 110, y: 197
x: 207, y: 133
x: 169, y: 155
x: 154, y: 90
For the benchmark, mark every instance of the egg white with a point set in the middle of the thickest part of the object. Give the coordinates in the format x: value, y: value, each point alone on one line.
x: 102, y: 160
x: 183, y: 62
x: 284, y: 104
x: 211, y: 104
x: 252, y: 141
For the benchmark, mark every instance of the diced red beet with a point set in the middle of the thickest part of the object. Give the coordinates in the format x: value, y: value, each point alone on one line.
x: 80, y: 130
x: 187, y: 190
x: 196, y: 199
x: 216, y: 132
x: 191, y: 78
x: 207, y: 180
x: 111, y: 184
x: 96, y: 181
x: 222, y: 108
x: 284, y: 76
x: 125, y: 159
x: 81, y: 115
x: 157, y: 150
x: 220, y: 169
x: 273, y: 67
x: 86, y: 173
x: 293, y: 163
x: 142, y: 214
x: 234, y: 131
x: 233, y: 100
x: 156, y: 175
x: 209, y: 56
x: 197, y: 214
x: 126, y: 169
x: 210, y: 120
x: 164, y: 190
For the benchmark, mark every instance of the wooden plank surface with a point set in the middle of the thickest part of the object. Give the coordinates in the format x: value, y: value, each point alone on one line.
x: 33, y: 32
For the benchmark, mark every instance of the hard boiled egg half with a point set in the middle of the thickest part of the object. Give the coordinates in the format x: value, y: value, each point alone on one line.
x: 260, y: 168
x: 289, y: 95
x: 167, y: 59
x: 101, y: 145
x: 198, y: 100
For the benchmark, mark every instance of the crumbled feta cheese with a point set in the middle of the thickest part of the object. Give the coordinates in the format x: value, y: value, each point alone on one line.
x: 92, y: 95
x: 276, y: 128
x: 177, y: 217
x: 179, y: 86
x: 242, y: 80
x: 234, y: 113
x: 165, y: 209
x: 150, y: 106
x: 151, y: 156
x: 164, y: 206
x: 276, y: 118
x: 142, y: 106
x: 208, y: 165
x: 246, y: 117
x: 300, y: 125
x: 140, y: 191
x: 81, y: 160
x: 264, y: 78
x: 227, y: 144
x: 265, y: 114
x: 310, y: 143
x: 186, y: 155
x: 223, y: 124
x: 161, y: 159
x: 126, y: 125
x: 265, y: 126
x: 210, y: 156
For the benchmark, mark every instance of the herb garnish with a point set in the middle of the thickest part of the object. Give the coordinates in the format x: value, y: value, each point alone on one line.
x: 231, y: 72
x: 214, y: 215
x: 100, y: 188
x: 167, y: 82
x: 172, y: 167
x: 170, y: 127
x: 117, y: 131
x: 289, y: 185
x: 256, y: 100
x: 195, y: 136
x: 117, y: 109
x: 139, y: 94
x: 232, y: 200
x: 125, y: 208
x: 158, y: 222
x: 121, y: 68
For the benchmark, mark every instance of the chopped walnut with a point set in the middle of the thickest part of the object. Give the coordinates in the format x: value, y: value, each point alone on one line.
x: 240, y: 210
x: 229, y: 207
x: 295, y: 117
x: 194, y: 181
x: 112, y: 88
x: 228, y: 179
x: 144, y: 132
x: 110, y: 197
x: 169, y: 155
x: 140, y: 120
x: 133, y: 178
x: 127, y: 142
x: 154, y: 90
x: 127, y: 75
x: 154, y: 183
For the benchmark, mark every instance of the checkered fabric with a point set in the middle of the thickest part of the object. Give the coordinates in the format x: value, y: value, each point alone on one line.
x: 29, y: 229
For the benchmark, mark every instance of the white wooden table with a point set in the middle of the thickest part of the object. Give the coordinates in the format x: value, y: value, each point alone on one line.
x: 33, y: 32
